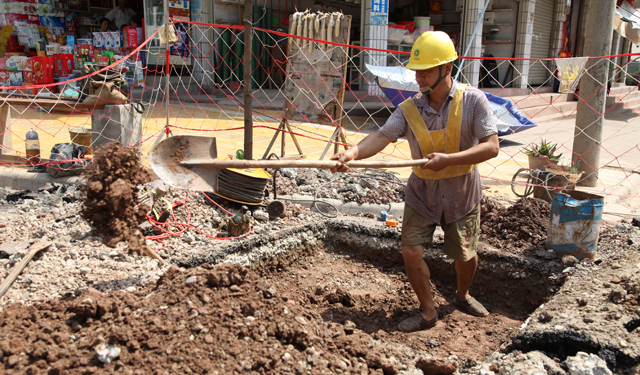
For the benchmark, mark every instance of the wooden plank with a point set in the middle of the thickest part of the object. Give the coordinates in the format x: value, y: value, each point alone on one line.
x: 340, y: 110
x: 6, y: 144
x: 57, y: 104
x: 15, y: 272
x: 18, y: 160
x: 293, y: 136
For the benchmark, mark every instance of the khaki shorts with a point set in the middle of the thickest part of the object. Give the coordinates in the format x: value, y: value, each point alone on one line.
x: 460, y: 237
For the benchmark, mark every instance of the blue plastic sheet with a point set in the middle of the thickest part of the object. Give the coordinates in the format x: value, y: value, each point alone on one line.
x: 398, y: 84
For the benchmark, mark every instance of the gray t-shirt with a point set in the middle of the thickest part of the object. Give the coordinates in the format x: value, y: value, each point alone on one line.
x: 452, y: 197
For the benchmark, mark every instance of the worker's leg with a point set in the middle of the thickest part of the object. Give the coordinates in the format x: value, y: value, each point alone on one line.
x: 419, y: 276
x: 416, y: 231
x: 465, y: 272
x: 460, y: 243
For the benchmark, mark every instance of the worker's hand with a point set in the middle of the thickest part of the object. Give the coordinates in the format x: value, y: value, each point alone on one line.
x: 437, y: 161
x: 343, y: 157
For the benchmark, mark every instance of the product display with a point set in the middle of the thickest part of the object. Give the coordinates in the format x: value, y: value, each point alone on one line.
x: 49, y: 41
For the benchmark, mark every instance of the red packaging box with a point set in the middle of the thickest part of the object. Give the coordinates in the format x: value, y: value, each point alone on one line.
x: 103, y: 60
x: 84, y: 53
x: 4, y: 77
x: 63, y: 64
x: 179, y: 12
x: 28, y: 79
x: 42, y: 69
x: 130, y: 37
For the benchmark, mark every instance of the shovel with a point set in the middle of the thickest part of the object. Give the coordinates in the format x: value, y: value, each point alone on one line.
x: 191, y: 162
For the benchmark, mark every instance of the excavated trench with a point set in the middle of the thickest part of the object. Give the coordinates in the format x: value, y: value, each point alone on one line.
x: 326, y: 297
x: 350, y: 270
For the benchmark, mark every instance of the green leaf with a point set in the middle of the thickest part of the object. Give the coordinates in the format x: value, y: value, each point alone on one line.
x: 543, y: 150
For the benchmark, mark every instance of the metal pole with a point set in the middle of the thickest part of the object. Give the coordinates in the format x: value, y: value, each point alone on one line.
x: 473, y: 36
x: 167, y: 70
x: 593, y: 90
x: 248, y: 102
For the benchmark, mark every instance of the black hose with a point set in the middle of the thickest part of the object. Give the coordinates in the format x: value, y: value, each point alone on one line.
x: 530, y: 186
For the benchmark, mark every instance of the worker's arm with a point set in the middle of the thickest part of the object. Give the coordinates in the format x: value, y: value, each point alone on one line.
x: 488, y: 148
x: 369, y: 146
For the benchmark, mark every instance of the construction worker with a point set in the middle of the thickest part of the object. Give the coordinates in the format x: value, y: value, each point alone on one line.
x: 452, y: 126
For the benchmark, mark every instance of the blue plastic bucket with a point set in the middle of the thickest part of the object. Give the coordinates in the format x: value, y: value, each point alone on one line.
x: 574, y: 224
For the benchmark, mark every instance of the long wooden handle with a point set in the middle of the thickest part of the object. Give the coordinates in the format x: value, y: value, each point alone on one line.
x: 242, y: 164
x: 33, y: 250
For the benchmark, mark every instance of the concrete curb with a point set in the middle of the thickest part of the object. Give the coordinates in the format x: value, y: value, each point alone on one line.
x: 22, y: 179
x: 395, y: 209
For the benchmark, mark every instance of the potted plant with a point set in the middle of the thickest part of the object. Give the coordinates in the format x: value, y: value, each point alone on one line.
x: 542, y: 155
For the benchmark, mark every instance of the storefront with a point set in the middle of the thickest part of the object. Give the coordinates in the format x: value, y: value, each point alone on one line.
x: 154, y: 17
x: 49, y: 41
x: 509, y: 29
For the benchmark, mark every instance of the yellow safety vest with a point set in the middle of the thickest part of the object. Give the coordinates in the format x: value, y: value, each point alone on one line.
x: 447, y: 139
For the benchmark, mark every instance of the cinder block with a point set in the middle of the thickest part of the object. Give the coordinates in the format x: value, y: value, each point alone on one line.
x: 116, y: 123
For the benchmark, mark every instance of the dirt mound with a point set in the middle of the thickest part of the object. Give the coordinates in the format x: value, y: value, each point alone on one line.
x: 517, y: 227
x: 205, y: 320
x: 110, y: 205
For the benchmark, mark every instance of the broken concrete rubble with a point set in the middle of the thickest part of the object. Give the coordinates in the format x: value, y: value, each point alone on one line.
x: 359, y: 240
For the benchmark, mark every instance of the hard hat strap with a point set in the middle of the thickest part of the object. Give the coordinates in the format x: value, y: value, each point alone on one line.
x: 428, y: 90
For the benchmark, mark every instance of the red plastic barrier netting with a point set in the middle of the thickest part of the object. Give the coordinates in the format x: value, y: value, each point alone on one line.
x: 202, y: 93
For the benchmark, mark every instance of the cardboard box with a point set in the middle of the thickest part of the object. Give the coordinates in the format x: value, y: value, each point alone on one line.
x: 84, y: 53
x: 108, y: 40
x: 130, y: 37
x: 53, y: 48
x: 115, y: 36
x: 103, y: 60
x: 30, y: 91
x: 39, y: 70
x: 63, y: 64
x: 4, y: 78
x: 98, y: 40
x: 15, y: 78
x: 17, y: 62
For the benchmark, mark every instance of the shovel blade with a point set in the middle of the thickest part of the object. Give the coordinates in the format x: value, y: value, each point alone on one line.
x: 167, y: 156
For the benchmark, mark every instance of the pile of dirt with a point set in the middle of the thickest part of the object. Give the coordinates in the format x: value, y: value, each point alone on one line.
x: 110, y: 205
x: 205, y: 320
x: 521, y: 226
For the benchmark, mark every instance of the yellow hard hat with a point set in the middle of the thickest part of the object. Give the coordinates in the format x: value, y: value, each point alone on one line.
x: 432, y: 48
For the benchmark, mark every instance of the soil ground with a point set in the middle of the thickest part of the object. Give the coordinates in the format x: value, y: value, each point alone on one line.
x: 323, y: 310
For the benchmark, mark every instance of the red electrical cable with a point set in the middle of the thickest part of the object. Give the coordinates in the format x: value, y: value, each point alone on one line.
x: 168, y: 233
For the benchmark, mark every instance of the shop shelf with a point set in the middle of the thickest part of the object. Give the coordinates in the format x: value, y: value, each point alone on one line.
x: 498, y: 41
x: 229, y: 2
x: 499, y: 24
